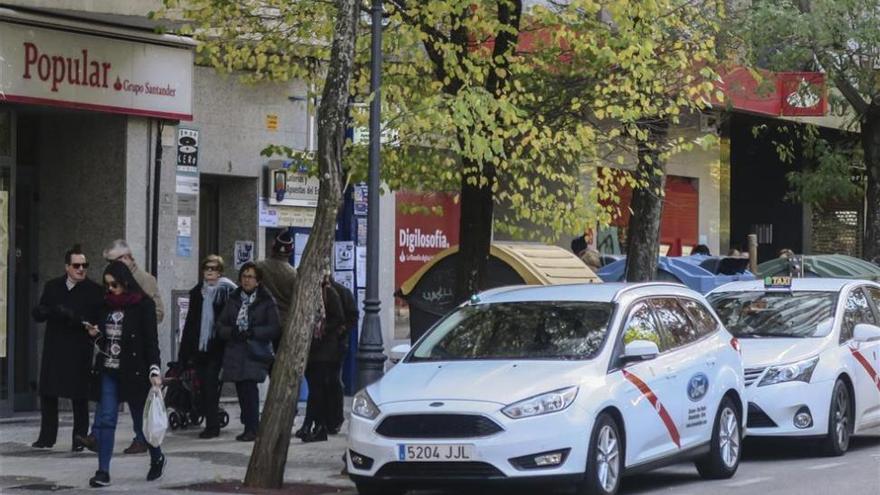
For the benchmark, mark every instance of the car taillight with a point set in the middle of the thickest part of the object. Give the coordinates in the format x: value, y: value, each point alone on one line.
x: 734, y: 342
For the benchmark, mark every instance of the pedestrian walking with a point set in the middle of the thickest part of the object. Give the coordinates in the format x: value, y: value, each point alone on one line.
x: 128, y: 364
x: 200, y: 347
x: 352, y: 315
x: 249, y: 323
x: 279, y: 276
x: 66, y: 302
x: 322, y: 366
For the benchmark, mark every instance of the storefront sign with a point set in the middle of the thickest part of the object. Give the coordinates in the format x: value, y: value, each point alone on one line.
x: 59, y: 68
x: 422, y: 235
x: 294, y: 216
x: 187, y: 150
x: 293, y: 188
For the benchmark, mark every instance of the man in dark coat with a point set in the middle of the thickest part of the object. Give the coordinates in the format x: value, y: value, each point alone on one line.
x: 350, y: 310
x: 279, y: 276
x: 66, y: 303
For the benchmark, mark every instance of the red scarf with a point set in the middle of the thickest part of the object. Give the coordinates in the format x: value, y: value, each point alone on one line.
x: 119, y: 301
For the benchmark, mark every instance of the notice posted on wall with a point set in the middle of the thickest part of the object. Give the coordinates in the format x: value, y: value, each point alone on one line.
x: 244, y: 252
x: 184, y: 246
x: 343, y: 255
x: 299, y: 245
x: 361, y: 266
x: 345, y: 277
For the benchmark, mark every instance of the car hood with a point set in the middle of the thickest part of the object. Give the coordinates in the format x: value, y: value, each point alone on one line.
x: 759, y: 352
x: 502, y: 382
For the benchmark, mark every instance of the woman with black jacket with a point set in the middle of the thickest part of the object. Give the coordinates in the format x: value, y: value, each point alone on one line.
x: 199, y: 345
x: 128, y: 364
x: 249, y: 323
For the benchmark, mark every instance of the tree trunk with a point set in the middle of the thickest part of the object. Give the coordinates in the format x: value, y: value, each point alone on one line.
x: 643, y: 234
x: 871, y: 146
x: 474, y: 229
x: 269, y: 456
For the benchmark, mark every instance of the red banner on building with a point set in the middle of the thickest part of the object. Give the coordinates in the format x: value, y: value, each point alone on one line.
x: 801, y: 94
x: 422, y: 234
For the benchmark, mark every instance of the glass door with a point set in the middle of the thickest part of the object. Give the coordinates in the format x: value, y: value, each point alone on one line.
x: 7, y: 267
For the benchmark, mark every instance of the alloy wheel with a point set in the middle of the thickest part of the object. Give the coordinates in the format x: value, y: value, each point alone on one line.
x: 841, y: 417
x: 608, y: 458
x: 729, y: 437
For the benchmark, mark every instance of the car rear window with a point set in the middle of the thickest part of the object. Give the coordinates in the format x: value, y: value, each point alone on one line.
x: 518, y: 330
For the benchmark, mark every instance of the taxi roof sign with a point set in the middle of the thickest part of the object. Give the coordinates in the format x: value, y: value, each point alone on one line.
x: 777, y: 283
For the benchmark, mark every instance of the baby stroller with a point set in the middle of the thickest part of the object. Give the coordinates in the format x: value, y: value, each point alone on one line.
x: 182, y: 388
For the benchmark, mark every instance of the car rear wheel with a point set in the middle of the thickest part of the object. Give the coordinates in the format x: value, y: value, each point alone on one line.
x: 604, y: 459
x: 840, y: 422
x: 375, y: 488
x: 725, y: 447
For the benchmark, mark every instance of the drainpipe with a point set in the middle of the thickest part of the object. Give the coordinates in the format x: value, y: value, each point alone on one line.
x: 157, y: 177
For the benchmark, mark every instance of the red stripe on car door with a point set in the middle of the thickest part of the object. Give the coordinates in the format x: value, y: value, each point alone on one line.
x: 656, y: 404
x: 867, y: 365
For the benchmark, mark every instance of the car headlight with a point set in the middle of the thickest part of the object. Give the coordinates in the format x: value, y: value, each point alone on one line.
x: 549, y: 402
x: 362, y: 405
x: 800, y: 371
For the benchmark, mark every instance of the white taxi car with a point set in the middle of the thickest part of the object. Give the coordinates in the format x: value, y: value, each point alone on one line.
x: 811, y: 349
x: 574, y: 384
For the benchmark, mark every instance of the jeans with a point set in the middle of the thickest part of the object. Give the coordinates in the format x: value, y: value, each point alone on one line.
x: 137, y: 422
x: 106, y: 415
x: 249, y: 401
x: 49, y: 418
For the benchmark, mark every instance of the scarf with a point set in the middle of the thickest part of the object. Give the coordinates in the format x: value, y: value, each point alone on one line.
x: 246, y: 301
x: 206, y: 327
x: 120, y: 301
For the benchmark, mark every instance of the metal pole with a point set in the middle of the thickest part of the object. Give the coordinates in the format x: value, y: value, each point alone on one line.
x: 370, y: 356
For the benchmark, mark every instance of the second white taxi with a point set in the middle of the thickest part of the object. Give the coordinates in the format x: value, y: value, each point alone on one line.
x: 811, y: 351
x: 575, y: 384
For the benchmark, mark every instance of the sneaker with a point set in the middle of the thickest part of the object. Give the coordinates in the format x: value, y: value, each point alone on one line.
x: 41, y: 444
x: 210, y: 433
x: 101, y: 478
x: 156, y: 468
x: 88, y: 441
x: 247, y: 436
x: 136, y: 447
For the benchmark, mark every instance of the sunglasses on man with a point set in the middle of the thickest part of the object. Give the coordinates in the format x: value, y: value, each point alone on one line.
x: 79, y: 266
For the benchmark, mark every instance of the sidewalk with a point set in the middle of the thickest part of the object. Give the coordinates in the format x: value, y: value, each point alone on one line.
x: 190, y: 460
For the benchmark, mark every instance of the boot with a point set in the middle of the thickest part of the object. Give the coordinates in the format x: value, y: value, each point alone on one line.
x: 318, y: 434
x: 303, y: 432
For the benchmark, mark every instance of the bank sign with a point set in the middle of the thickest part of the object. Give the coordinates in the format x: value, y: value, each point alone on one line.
x: 58, y: 68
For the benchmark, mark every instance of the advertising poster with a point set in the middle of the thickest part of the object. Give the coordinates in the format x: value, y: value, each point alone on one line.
x: 361, y: 266
x: 422, y: 234
x: 343, y: 255
x: 345, y: 278
x: 299, y: 245
x: 360, y: 199
x: 244, y: 252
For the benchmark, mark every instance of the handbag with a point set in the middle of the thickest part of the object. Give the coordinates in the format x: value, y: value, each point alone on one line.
x: 261, y: 351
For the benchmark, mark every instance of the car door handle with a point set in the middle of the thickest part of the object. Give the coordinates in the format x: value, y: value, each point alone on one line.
x: 670, y: 372
x: 710, y: 361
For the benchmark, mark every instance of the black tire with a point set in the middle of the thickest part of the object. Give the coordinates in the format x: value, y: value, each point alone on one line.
x: 725, y: 447
x: 840, y: 422
x: 224, y: 418
x: 195, y: 419
x: 602, y: 458
x: 173, y: 420
x: 375, y: 488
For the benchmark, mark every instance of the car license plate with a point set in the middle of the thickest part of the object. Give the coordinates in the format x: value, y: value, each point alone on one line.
x: 435, y: 452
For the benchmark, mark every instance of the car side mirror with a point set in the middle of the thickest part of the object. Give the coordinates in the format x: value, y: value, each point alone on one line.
x: 399, y: 352
x: 639, y: 350
x: 865, y: 332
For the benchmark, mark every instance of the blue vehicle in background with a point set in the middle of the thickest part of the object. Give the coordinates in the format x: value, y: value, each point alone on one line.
x: 698, y: 272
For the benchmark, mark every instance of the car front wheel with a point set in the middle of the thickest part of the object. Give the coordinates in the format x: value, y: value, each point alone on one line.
x: 604, y: 459
x: 725, y: 446
x: 840, y: 421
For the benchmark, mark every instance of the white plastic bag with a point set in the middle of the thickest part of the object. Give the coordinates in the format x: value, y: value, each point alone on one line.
x: 155, y: 418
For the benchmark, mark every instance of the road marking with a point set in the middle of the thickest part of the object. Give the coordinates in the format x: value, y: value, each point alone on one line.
x: 747, y: 482
x: 828, y: 465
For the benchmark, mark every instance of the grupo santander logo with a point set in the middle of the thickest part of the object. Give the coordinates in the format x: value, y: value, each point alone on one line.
x: 84, y: 70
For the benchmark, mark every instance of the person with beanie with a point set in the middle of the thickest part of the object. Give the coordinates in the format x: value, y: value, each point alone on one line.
x: 279, y: 276
x: 199, y: 345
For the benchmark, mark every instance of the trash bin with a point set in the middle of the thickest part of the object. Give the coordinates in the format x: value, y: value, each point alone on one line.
x: 824, y: 266
x: 698, y: 272
x: 430, y: 291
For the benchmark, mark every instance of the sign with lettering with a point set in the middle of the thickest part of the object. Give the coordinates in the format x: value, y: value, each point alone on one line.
x: 60, y: 68
x: 422, y: 233
x: 293, y: 188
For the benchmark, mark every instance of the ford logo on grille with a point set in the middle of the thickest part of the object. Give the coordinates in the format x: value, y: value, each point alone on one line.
x: 435, y: 404
x: 697, y: 387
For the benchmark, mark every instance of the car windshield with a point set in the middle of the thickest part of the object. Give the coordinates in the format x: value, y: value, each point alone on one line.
x: 518, y: 330
x: 776, y: 314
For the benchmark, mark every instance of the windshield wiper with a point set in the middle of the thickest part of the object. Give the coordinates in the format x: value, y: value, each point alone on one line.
x: 769, y: 334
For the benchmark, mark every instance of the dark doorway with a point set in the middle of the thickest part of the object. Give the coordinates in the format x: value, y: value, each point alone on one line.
x: 209, y: 216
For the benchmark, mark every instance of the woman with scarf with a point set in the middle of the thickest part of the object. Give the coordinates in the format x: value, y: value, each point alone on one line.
x: 249, y: 323
x: 128, y: 364
x: 199, y: 346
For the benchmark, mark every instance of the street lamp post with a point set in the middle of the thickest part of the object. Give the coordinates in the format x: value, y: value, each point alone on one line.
x: 370, y: 356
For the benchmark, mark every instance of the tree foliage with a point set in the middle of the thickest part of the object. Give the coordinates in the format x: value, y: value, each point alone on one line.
x: 842, y: 39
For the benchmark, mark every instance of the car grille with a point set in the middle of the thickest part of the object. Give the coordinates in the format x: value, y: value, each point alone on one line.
x: 758, y: 418
x: 752, y: 374
x: 437, y: 426
x: 444, y: 470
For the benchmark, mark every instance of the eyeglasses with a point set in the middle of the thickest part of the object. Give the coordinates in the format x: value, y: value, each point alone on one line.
x: 79, y: 266
x: 211, y: 268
